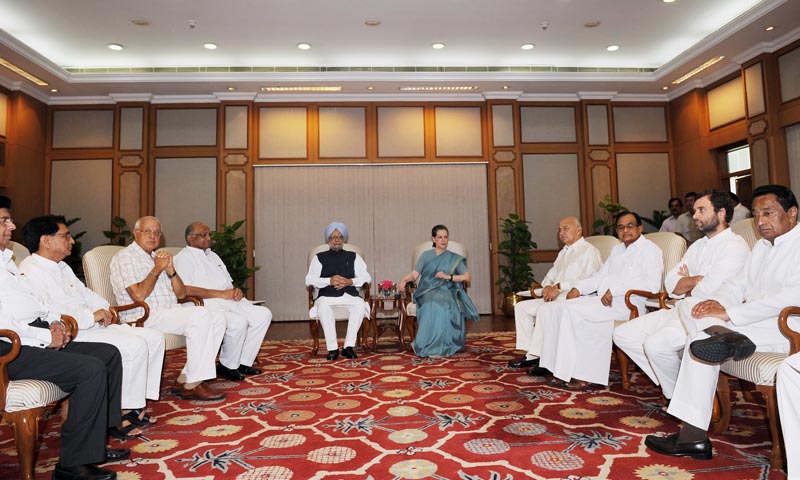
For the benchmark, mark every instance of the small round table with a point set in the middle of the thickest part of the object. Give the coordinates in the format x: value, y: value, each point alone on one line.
x: 387, y: 315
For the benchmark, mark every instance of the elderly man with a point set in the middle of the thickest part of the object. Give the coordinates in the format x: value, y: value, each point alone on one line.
x: 686, y: 226
x: 138, y: 273
x: 577, y: 332
x: 737, y: 319
x: 654, y: 340
x: 788, y: 386
x: 337, y: 274
x: 675, y: 208
x: 56, y: 285
x: 90, y: 372
x: 576, y: 261
x: 206, y: 277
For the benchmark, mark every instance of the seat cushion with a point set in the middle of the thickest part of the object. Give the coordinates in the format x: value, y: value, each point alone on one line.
x: 411, y: 309
x: 25, y: 394
x: 759, y: 368
x: 172, y: 341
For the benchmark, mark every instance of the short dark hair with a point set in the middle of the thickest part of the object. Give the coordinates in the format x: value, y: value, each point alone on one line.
x: 436, y: 229
x: 680, y: 202
x: 691, y: 194
x: 628, y: 212
x: 735, y: 198
x: 719, y: 199
x: 5, y: 202
x: 784, y: 196
x: 33, y: 230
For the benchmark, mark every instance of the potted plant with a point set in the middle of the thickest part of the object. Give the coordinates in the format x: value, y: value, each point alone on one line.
x: 233, y: 252
x: 516, y: 271
x: 119, y: 233
x: 606, y: 225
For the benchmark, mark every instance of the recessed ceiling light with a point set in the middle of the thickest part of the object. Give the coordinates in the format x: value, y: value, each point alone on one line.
x: 114, y: 46
x: 54, y: 90
x: 301, y: 89
x: 665, y: 87
x: 372, y: 23
x: 770, y: 28
x: 667, y: 1
x: 527, y: 46
x: 33, y: 78
x: 592, y: 24
x: 210, y: 46
x: 370, y: 88
x: 437, y: 46
x: 698, y: 69
x: 612, y: 48
x: 303, y: 46
x: 439, y: 88
x: 230, y: 89
x: 140, y: 22
x: 505, y: 87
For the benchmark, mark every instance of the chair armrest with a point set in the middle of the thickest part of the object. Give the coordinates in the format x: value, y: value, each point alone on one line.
x: 310, y: 289
x: 535, y: 286
x: 660, y: 296
x: 188, y: 298
x: 123, y: 308
x: 4, y: 361
x: 71, y: 324
x: 792, y: 335
x: 365, y: 289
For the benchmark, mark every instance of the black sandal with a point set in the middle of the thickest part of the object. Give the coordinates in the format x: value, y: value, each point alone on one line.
x: 121, y: 433
x: 133, y: 417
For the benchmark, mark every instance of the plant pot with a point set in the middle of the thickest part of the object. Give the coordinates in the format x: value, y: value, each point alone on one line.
x: 508, y: 303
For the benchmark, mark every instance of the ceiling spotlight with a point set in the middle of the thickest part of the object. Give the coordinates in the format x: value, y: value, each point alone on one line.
x: 140, y: 22
x: 437, y: 46
x: 527, y: 46
x: 54, y: 90
x: 612, y: 48
x: 230, y: 89
x: 505, y: 87
x: 114, y: 46
x: 210, y: 46
x: 665, y: 87
x: 770, y: 28
x: 372, y: 23
x: 303, y: 46
x: 370, y: 88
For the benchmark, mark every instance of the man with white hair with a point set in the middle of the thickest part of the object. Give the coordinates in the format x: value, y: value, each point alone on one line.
x: 337, y: 274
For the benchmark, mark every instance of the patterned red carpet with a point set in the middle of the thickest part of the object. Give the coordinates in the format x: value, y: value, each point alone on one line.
x: 395, y: 416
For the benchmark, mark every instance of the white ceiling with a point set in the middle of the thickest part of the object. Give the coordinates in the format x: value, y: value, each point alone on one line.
x: 662, y: 41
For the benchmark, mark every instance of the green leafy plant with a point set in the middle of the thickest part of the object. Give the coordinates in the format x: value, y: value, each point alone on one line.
x: 515, y: 248
x: 658, y: 218
x: 119, y: 234
x: 606, y: 225
x: 233, y: 252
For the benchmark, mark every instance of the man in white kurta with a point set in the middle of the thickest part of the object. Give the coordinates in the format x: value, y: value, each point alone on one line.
x: 138, y: 273
x: 686, y: 226
x: 740, y: 212
x: 59, y: 290
x: 670, y: 224
x: 577, y: 332
x: 337, y: 274
x: 748, y: 306
x: 577, y: 260
x: 788, y: 386
x: 206, y: 276
x: 654, y: 341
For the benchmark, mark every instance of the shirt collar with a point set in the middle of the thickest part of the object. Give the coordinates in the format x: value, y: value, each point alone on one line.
x: 138, y: 249
x: 787, y: 237
x: 45, y: 262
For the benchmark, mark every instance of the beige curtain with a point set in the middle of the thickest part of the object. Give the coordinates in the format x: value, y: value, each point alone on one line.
x: 388, y: 209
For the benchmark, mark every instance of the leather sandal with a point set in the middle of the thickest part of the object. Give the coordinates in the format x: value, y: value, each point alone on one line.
x: 139, y: 418
x: 122, y: 433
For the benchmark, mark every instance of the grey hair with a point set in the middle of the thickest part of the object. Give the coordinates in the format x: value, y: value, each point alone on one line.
x: 139, y: 221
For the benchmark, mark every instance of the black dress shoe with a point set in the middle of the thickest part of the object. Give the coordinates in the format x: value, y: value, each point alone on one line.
x: 538, y: 371
x: 87, y: 472
x: 333, y: 355
x: 718, y: 348
x: 348, y: 352
x: 669, y: 445
x: 229, y: 373
x: 117, y: 454
x: 244, y: 369
x: 524, y: 362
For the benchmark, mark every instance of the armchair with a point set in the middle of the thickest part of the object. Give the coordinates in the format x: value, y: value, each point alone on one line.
x: 19, y: 252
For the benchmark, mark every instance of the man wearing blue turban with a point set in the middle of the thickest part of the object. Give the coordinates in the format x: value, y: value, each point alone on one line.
x: 337, y: 274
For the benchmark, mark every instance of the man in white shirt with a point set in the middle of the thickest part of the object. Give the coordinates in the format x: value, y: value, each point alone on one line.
x: 207, y: 277
x: 654, y: 340
x: 788, y: 386
x: 338, y: 274
x: 686, y: 226
x: 740, y: 212
x: 138, y: 273
x: 53, y: 281
x: 576, y: 261
x: 736, y: 320
x: 675, y: 208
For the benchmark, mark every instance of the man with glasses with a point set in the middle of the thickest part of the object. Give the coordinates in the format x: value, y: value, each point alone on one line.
x: 337, y: 274
x: 90, y: 372
x: 576, y: 345
x: 138, y: 273
x: 206, y: 276
x: 142, y: 349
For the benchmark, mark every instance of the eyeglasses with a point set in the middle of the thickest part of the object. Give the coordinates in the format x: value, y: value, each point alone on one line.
x: 630, y: 226
x: 335, y: 237
x: 204, y: 234
x: 156, y: 233
x: 6, y: 220
x: 66, y: 235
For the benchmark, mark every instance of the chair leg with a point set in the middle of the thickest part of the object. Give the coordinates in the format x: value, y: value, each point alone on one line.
x: 776, y: 454
x: 623, y: 361
x: 26, y: 432
x: 313, y: 325
x: 723, y: 399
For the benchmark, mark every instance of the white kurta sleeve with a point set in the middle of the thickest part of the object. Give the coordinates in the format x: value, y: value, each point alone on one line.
x: 185, y: 266
x: 313, y: 277
x: 582, y: 266
x: 362, y: 275
x: 642, y: 272
x: 732, y: 258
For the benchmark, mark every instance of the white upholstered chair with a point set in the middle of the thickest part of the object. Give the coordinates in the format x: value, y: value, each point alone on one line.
x: 340, y: 313
x: 19, y: 252
x: 603, y: 243
x: 746, y: 228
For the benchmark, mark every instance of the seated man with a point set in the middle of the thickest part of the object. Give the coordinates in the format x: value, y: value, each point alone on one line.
x: 139, y: 274
x: 337, y: 274
x: 686, y: 226
x: 670, y: 224
x: 90, y: 372
x: 576, y: 261
x: 740, y: 212
x: 59, y: 290
x: 206, y: 277
x: 737, y: 319
x: 788, y: 386
x: 577, y: 332
x: 654, y: 340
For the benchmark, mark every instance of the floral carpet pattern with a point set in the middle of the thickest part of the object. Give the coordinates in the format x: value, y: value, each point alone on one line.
x: 395, y: 416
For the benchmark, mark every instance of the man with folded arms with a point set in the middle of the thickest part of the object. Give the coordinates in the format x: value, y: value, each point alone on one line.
x: 654, y: 340
x: 138, y: 273
x: 788, y: 387
x: 206, y: 277
x: 736, y: 320
x: 90, y: 372
x: 576, y: 261
x: 576, y: 332
x: 54, y: 282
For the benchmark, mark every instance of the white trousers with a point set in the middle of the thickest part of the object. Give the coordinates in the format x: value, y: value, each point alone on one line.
x: 247, y: 326
x: 789, y: 406
x: 654, y: 342
x: 142, y: 352
x: 529, y: 338
x: 577, y: 337
x: 203, y: 329
x: 693, y: 398
x: 357, y: 309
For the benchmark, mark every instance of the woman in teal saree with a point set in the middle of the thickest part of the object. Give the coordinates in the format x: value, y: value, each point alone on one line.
x: 442, y: 303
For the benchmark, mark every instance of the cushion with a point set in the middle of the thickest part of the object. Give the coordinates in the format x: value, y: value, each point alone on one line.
x: 26, y: 394
x: 759, y: 368
x: 172, y: 341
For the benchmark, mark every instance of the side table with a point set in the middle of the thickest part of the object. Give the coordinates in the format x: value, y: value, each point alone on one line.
x: 386, y: 315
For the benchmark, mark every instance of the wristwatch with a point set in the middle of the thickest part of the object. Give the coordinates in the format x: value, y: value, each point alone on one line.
x: 174, y: 274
